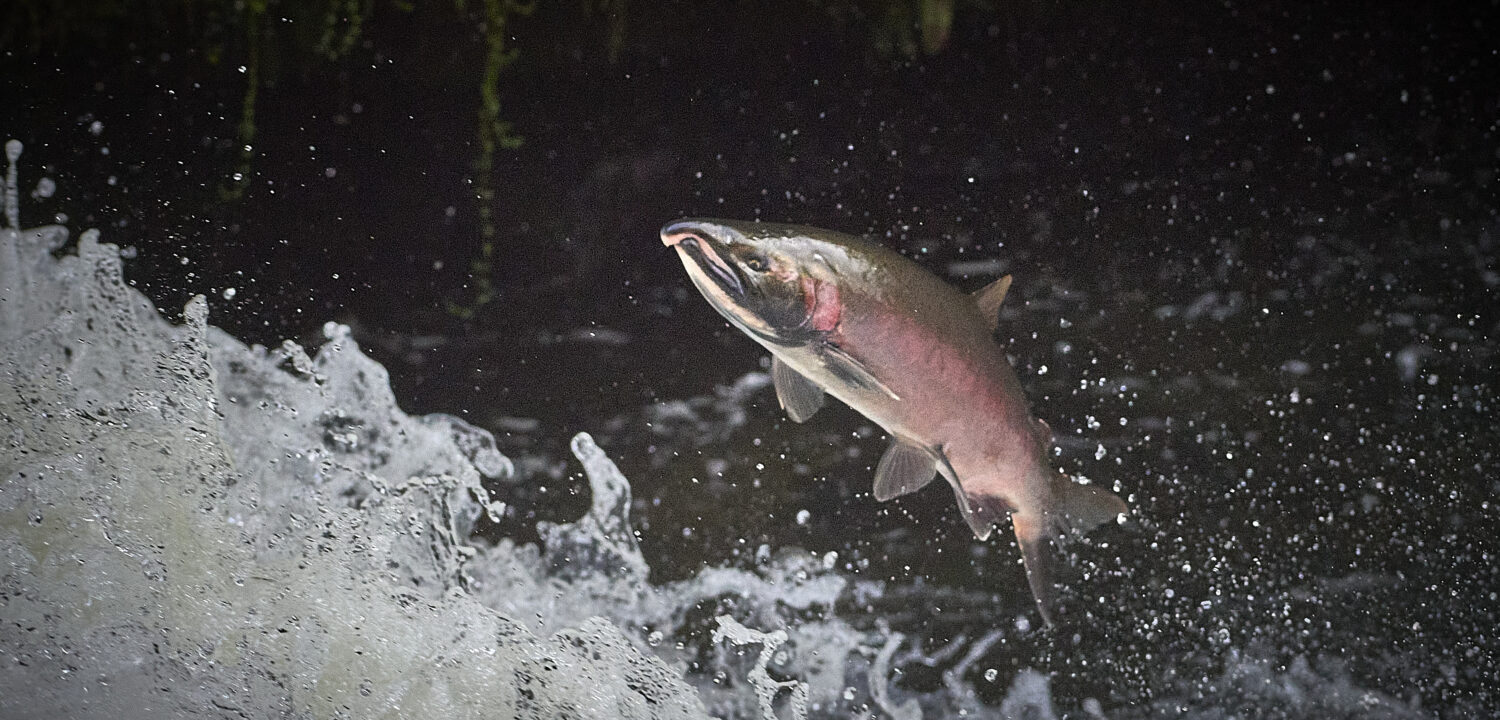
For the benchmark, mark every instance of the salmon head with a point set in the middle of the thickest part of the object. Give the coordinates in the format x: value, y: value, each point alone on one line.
x: 777, y: 283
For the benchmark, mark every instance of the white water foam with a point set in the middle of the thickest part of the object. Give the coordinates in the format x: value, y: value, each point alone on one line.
x: 190, y: 526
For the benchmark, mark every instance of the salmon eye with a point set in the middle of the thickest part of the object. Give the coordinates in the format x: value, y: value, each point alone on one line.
x: 757, y: 263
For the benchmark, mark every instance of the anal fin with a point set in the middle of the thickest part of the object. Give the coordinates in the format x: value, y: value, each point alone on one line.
x: 982, y: 512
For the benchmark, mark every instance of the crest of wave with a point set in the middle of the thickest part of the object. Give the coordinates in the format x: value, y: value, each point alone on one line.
x: 190, y: 526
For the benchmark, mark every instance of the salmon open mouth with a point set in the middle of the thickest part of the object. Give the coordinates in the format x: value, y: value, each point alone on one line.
x: 703, y: 254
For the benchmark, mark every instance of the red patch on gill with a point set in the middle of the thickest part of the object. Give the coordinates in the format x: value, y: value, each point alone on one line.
x: 822, y: 302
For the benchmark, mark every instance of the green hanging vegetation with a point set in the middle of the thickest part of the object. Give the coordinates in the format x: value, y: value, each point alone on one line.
x: 494, y: 134
x: 262, y: 37
x: 255, y: 30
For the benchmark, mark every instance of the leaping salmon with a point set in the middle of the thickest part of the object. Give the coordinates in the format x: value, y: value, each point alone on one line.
x: 914, y: 355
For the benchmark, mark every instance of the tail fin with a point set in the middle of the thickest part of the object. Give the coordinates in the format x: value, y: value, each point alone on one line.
x: 1081, y: 508
x: 1032, y: 535
x: 1075, y: 508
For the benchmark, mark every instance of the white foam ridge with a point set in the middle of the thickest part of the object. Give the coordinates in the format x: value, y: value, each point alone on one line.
x: 190, y: 526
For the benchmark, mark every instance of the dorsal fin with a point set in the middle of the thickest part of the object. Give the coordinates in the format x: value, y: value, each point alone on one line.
x: 989, y: 298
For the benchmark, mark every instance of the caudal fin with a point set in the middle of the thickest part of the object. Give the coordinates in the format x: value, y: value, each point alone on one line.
x: 1081, y: 508
x: 1076, y: 508
x: 1032, y: 535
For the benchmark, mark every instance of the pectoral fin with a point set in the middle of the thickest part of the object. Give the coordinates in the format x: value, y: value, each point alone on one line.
x: 905, y: 468
x: 989, y: 298
x: 799, y: 397
x: 851, y: 371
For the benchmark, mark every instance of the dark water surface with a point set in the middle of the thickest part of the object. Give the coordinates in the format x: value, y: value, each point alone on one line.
x: 1255, y: 259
